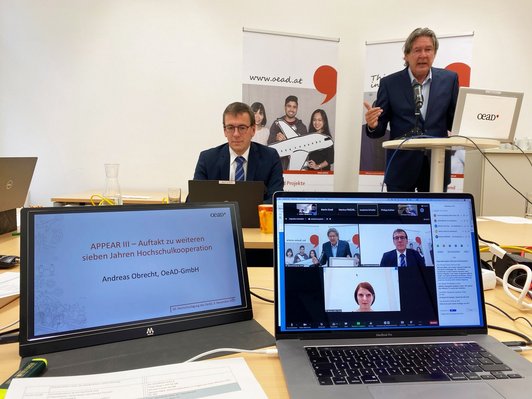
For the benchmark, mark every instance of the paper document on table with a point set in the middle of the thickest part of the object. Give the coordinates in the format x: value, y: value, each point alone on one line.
x: 227, y: 378
x: 9, y: 287
x: 127, y: 196
x: 509, y: 219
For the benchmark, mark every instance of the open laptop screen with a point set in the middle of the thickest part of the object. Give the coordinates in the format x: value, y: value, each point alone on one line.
x: 347, y: 273
x: 15, y: 179
x: 487, y: 114
x: 91, y: 275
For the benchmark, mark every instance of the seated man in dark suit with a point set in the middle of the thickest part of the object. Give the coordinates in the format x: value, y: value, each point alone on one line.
x: 334, y: 247
x: 239, y: 158
x: 401, y: 256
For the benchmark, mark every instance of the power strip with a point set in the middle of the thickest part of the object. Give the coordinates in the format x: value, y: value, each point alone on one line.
x: 488, y: 279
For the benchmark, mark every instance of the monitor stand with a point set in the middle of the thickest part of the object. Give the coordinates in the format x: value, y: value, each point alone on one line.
x: 157, y: 350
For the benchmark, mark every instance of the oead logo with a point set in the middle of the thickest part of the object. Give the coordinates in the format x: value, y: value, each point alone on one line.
x: 487, y: 117
x: 217, y: 214
x: 149, y: 331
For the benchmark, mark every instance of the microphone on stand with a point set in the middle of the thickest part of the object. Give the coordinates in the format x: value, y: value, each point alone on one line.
x: 418, y: 96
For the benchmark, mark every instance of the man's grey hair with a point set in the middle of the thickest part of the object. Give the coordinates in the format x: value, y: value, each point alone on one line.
x: 419, y: 32
x: 333, y: 230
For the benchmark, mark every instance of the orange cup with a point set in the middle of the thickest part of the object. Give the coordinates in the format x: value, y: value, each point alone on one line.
x: 266, y: 218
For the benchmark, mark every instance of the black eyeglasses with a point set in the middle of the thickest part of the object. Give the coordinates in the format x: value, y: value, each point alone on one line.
x: 241, y: 128
x: 397, y: 238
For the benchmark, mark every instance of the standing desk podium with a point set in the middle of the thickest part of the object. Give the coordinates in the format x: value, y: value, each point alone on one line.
x: 437, y: 146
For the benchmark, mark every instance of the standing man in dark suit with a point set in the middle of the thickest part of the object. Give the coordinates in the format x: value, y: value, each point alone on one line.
x: 410, y: 170
x: 239, y: 158
x: 334, y: 247
x: 402, y: 256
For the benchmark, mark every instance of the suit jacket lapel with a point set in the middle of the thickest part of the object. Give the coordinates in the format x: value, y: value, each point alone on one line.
x: 223, y: 163
x: 252, y: 162
x: 435, y: 87
x: 406, y: 88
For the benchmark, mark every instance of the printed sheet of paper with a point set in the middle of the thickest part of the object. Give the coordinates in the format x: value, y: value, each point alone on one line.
x: 226, y: 378
x: 9, y: 287
x: 509, y: 219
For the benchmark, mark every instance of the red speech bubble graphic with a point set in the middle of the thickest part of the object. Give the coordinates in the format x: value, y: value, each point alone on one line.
x: 356, y: 240
x: 418, y: 240
x: 314, y: 240
x: 463, y: 71
x: 325, y: 81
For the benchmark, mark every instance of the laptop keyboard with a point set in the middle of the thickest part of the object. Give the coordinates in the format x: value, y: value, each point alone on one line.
x: 342, y: 365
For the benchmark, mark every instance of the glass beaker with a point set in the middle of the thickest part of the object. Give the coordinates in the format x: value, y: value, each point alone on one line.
x: 112, y: 187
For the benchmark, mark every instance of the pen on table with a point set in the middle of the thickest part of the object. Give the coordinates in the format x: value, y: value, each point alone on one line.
x: 34, y: 368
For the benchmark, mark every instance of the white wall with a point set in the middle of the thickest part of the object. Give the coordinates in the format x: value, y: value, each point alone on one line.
x: 143, y: 83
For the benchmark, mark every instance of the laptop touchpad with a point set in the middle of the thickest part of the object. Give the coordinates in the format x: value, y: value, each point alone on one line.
x: 434, y: 391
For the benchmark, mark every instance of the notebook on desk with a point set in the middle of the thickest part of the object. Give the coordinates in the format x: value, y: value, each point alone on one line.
x: 117, y: 287
x: 248, y: 194
x: 389, y: 327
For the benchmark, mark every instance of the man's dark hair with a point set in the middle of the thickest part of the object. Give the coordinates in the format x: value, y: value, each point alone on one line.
x: 237, y: 108
x: 400, y: 231
x: 290, y: 99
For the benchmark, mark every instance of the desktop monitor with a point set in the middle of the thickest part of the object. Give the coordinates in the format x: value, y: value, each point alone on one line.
x: 487, y: 114
x: 95, y: 275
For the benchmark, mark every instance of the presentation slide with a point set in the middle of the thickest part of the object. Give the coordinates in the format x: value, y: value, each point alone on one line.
x: 101, y: 268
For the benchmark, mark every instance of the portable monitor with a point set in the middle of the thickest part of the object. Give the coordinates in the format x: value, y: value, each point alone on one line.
x: 94, y: 275
x: 487, y: 114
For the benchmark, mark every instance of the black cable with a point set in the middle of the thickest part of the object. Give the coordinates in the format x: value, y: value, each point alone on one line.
x: 524, y: 153
x: 405, y: 139
x: 510, y: 317
x: 488, y: 241
x: 261, y: 297
x: 9, y: 338
x: 9, y: 331
x: 497, y: 170
x: 528, y: 341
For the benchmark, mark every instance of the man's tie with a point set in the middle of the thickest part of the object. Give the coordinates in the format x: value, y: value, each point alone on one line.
x: 403, y: 261
x: 239, y: 172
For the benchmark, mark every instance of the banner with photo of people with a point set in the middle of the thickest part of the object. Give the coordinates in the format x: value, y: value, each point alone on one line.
x: 290, y: 83
x: 386, y: 57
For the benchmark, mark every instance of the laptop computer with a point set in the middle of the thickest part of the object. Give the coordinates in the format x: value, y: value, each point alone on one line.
x: 15, y: 179
x: 248, y: 194
x: 435, y: 299
x: 117, y: 287
x: 487, y: 114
